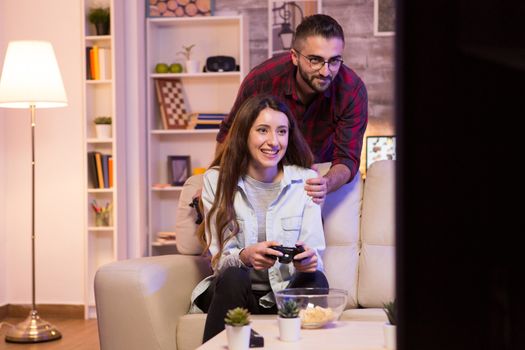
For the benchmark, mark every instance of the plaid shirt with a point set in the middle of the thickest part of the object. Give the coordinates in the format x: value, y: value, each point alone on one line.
x: 333, y: 124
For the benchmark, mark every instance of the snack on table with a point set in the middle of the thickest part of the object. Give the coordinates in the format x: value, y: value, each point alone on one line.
x: 315, y: 315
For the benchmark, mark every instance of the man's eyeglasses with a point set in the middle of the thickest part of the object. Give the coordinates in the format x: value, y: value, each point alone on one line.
x: 316, y: 62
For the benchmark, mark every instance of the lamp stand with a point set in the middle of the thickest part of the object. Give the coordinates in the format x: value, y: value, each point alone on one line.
x: 33, y: 329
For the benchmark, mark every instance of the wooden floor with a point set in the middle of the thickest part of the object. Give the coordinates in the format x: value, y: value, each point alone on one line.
x: 77, y: 334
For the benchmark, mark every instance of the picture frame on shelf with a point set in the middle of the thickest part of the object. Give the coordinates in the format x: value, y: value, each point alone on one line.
x: 179, y: 170
x: 380, y: 148
x: 179, y: 8
x: 384, y: 17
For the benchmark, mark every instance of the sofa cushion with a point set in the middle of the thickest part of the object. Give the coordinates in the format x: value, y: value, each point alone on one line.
x: 377, y: 261
x: 341, y: 212
x: 185, y: 226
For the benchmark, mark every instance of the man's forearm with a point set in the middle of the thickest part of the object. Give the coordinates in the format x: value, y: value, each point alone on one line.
x: 337, y: 176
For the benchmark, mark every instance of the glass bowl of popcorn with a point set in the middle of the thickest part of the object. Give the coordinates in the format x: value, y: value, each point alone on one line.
x: 317, y: 306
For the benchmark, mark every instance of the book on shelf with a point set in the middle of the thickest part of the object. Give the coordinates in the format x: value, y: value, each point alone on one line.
x: 92, y: 169
x: 92, y: 74
x: 105, y: 169
x: 98, y: 63
x: 206, y: 120
x: 100, y: 169
x: 206, y: 126
x: 104, y: 60
x: 100, y: 175
x: 89, y: 75
x: 110, y: 169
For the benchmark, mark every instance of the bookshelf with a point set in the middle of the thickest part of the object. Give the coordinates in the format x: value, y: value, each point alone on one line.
x: 204, y: 92
x: 103, y: 95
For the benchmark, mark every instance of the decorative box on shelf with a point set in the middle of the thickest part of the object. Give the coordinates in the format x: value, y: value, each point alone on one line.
x: 179, y: 8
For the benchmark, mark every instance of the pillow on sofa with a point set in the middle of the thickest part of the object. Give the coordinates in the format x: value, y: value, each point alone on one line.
x: 186, y: 215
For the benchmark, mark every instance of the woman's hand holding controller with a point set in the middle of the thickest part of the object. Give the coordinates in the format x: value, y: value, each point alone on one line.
x: 256, y: 255
x: 305, y: 261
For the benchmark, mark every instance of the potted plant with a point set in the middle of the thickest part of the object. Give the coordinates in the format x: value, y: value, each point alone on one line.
x: 103, y: 127
x: 238, y: 328
x: 390, y: 309
x: 192, y: 66
x: 99, y: 16
x: 289, y: 321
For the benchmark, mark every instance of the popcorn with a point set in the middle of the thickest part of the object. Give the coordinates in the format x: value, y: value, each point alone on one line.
x: 316, y: 314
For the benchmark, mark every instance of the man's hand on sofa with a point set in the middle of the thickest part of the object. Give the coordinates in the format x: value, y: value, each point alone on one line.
x: 305, y: 261
x: 256, y: 255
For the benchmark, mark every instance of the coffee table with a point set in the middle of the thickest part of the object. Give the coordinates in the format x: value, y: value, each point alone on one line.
x: 347, y: 335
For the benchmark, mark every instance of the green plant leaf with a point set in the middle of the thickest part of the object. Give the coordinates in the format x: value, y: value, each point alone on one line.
x: 237, y: 317
x: 390, y: 309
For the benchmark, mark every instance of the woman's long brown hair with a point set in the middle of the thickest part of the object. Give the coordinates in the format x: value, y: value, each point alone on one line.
x: 233, y: 162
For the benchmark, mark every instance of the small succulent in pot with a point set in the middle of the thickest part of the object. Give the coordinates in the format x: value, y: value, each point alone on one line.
x: 237, y: 317
x: 289, y: 309
x: 390, y: 309
x: 102, y: 120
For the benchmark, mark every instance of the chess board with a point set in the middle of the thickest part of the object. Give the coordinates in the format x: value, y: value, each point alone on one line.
x: 171, y: 103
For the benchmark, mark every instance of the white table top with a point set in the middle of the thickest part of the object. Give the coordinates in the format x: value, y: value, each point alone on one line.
x: 347, y: 335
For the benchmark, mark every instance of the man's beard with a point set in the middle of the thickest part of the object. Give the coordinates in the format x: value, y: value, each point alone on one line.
x: 316, y: 82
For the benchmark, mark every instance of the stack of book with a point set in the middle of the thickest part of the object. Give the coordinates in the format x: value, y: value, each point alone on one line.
x: 206, y: 120
x: 98, y: 63
x: 100, y: 170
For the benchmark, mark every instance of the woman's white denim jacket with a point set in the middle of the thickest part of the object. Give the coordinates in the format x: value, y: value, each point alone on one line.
x: 292, y: 217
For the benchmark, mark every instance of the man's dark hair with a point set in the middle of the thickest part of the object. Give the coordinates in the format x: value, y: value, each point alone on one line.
x: 318, y: 25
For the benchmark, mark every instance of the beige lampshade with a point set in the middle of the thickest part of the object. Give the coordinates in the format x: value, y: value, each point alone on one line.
x: 31, y: 76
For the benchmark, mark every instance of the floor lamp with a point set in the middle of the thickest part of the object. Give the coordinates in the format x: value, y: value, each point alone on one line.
x: 31, y: 79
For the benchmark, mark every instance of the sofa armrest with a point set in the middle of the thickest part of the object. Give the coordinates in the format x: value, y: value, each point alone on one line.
x: 139, y: 301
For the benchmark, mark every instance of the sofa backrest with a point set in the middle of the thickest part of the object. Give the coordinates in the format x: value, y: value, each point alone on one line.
x: 376, y: 284
x: 358, y: 221
x: 341, y: 223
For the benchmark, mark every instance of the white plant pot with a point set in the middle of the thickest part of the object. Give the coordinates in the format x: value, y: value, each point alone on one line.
x: 103, y: 131
x: 289, y: 329
x: 390, y: 336
x: 238, y: 337
x: 193, y: 66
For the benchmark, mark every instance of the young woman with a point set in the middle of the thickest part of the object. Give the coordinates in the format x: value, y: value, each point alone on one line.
x: 254, y: 198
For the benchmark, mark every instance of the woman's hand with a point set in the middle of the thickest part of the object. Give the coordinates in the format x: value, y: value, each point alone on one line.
x: 308, y: 259
x: 255, y: 255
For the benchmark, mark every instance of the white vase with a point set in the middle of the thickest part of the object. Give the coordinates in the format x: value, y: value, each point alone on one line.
x: 238, y: 337
x: 289, y: 329
x: 390, y: 336
x: 193, y: 66
x: 103, y: 131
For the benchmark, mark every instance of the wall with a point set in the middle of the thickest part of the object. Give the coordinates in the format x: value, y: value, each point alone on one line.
x: 3, y: 237
x: 372, y: 57
x: 59, y: 166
